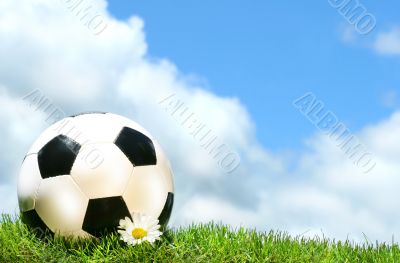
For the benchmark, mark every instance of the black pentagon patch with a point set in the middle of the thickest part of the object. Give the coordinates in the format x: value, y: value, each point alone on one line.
x: 137, y: 147
x: 58, y: 156
x: 87, y: 112
x: 36, y: 224
x: 166, y: 212
x: 103, y: 215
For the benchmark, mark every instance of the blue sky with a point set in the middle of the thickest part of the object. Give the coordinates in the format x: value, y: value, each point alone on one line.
x: 267, y: 53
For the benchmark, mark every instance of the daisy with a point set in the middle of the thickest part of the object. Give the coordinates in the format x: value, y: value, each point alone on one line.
x: 142, y: 228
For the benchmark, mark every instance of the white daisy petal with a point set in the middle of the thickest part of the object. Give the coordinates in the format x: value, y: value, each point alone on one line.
x: 142, y: 228
x: 122, y: 224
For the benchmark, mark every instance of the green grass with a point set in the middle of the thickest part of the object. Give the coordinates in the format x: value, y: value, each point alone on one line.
x: 198, y: 243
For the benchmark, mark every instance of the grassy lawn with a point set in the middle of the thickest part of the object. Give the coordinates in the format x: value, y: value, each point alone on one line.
x: 198, y: 243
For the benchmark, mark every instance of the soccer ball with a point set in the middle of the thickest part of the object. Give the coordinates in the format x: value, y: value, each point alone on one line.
x: 88, y: 171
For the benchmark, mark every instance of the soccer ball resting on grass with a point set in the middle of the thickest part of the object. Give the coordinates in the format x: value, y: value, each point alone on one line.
x: 87, y: 172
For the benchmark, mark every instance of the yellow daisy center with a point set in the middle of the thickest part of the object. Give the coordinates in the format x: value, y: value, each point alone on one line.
x: 138, y: 233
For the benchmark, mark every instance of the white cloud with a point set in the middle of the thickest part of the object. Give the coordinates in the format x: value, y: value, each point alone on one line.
x: 388, y: 43
x: 209, y: 208
x: 46, y: 48
x: 9, y: 199
x: 16, y: 120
